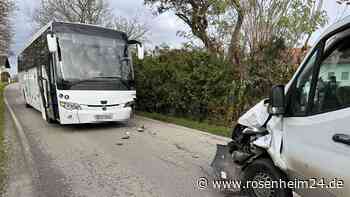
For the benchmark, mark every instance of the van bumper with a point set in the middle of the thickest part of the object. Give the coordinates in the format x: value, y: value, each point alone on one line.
x: 223, y: 164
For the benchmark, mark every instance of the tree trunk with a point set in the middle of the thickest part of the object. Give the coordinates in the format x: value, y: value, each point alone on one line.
x: 209, y: 44
x: 234, y: 48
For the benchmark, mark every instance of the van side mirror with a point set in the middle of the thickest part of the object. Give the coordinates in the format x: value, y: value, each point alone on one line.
x: 51, y: 42
x: 277, y: 101
x: 140, y: 51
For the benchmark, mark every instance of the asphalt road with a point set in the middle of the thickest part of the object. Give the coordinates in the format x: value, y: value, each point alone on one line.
x: 94, y: 160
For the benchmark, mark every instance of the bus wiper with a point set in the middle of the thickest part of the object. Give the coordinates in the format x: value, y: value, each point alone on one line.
x: 79, y: 81
x: 123, y: 81
x: 108, y: 77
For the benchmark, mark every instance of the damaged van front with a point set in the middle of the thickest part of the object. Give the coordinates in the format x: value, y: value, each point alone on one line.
x: 300, y: 136
x: 256, y: 138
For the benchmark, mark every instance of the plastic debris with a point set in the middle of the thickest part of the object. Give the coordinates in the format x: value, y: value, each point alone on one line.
x: 195, y: 156
x: 141, y: 129
x: 126, y: 137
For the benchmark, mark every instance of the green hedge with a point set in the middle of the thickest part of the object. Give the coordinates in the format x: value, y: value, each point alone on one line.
x: 190, y: 84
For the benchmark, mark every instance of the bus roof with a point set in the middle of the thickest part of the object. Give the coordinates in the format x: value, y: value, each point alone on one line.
x: 70, y: 27
x: 80, y: 28
x: 35, y: 36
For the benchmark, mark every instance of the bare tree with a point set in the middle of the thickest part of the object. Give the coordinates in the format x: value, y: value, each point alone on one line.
x: 6, y: 6
x: 133, y: 27
x: 83, y: 11
x: 266, y: 20
x: 197, y: 15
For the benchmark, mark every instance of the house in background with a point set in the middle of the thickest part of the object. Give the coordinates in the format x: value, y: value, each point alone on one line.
x: 4, y: 69
x: 297, y: 55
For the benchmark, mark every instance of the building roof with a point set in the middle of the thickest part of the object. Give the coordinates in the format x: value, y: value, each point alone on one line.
x: 4, y: 61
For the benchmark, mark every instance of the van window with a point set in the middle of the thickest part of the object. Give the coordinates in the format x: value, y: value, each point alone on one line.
x: 333, y: 91
x: 301, y: 93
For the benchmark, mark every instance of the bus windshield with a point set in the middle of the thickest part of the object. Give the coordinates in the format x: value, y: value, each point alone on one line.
x: 86, y: 57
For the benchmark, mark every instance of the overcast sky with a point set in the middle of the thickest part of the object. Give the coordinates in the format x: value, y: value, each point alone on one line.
x: 163, y: 28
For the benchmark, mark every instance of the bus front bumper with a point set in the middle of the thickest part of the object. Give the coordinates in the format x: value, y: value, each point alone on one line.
x: 95, y: 116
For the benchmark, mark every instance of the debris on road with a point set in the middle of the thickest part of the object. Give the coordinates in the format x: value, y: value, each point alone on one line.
x: 195, y: 156
x: 141, y: 129
x: 119, y: 144
x: 126, y: 137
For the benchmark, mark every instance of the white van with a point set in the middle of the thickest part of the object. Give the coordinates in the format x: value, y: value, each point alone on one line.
x: 301, y: 135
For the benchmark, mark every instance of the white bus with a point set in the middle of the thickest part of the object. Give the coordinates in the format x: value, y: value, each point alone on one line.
x: 77, y: 73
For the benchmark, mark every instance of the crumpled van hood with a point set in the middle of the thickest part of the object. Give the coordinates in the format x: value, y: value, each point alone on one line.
x: 255, y: 116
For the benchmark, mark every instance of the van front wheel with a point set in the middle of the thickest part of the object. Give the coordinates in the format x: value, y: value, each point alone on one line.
x: 256, y: 176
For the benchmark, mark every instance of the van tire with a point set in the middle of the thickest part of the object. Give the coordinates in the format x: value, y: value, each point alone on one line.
x: 264, y: 169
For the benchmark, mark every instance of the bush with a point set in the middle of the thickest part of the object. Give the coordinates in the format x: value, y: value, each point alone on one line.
x: 193, y: 84
x: 185, y: 83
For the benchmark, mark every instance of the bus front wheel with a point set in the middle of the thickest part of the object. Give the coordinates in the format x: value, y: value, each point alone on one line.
x: 25, y: 101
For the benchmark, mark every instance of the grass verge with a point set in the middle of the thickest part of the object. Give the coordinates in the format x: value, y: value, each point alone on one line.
x: 203, y: 126
x: 2, y: 138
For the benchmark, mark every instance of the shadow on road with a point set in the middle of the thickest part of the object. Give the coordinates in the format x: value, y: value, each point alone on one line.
x: 97, y: 126
x: 87, y: 126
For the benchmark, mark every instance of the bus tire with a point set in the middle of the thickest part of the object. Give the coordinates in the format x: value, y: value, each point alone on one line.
x: 49, y: 120
x: 262, y: 170
x: 25, y: 101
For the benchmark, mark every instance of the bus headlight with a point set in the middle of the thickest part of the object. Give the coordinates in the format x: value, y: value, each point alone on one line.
x: 129, y: 104
x: 70, y: 105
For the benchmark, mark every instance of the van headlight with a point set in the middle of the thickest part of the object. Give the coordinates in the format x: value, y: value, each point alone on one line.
x: 70, y: 105
x: 129, y: 104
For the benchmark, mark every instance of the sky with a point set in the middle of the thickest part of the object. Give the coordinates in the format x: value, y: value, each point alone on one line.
x: 163, y: 28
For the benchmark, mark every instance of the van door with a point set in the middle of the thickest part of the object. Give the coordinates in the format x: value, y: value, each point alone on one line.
x: 316, y: 129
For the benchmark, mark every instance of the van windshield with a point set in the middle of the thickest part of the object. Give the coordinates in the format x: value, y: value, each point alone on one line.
x: 86, y: 57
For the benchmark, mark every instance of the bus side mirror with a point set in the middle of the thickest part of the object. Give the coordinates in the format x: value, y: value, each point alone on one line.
x: 277, y: 101
x: 52, y: 42
x: 140, y: 51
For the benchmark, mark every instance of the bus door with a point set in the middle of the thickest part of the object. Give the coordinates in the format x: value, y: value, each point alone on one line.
x: 47, y: 91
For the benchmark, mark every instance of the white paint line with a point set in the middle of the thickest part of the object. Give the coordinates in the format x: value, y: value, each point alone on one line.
x: 24, y: 143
